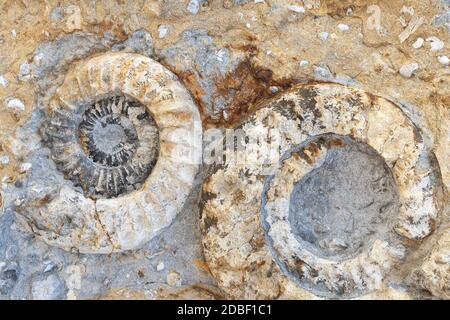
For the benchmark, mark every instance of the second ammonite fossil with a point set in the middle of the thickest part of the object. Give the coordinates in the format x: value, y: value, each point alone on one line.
x: 326, y: 188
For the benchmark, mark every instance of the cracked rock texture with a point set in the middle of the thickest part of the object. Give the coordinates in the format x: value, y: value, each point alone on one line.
x: 250, y: 211
x: 230, y: 55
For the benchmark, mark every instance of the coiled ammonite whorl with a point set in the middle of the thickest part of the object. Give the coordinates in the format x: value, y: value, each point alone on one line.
x: 326, y: 189
x: 118, y: 146
x: 127, y: 137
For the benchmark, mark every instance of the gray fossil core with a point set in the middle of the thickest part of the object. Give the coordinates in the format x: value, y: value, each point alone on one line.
x: 110, y: 137
x: 109, y: 150
x: 336, y: 208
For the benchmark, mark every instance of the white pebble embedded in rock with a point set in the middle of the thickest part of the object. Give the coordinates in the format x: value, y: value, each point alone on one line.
x: 274, y: 89
x: 444, y: 60
x: 163, y: 30
x: 160, y: 266
x: 49, y: 266
x: 37, y: 59
x: 436, y: 43
x: 4, y: 160
x: 409, y: 10
x: 323, y: 36
x: 343, y: 27
x: 408, y: 70
x: 3, y: 81
x: 418, y: 44
x: 25, y: 167
x: 297, y: 9
x: 222, y: 55
x: 25, y: 71
x: 193, y: 6
x: 14, y: 103
x: 304, y: 63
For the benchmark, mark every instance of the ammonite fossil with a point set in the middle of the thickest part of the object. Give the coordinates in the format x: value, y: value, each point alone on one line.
x: 350, y: 188
x: 127, y: 138
x: 109, y: 150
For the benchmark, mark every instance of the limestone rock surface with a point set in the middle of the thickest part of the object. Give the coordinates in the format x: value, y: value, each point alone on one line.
x: 114, y: 183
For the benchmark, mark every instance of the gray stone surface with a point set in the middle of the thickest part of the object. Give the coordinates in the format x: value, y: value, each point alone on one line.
x: 338, y: 207
x: 30, y: 269
x: 196, y: 52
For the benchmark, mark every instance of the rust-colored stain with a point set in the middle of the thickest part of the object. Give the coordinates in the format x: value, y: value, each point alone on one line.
x: 185, y: 116
x: 45, y: 200
x: 245, y: 86
x: 108, y: 26
x: 123, y: 294
x: 202, y: 265
x: 242, y: 88
x: 296, y: 156
x: 314, y: 149
x: 337, y: 142
x: 238, y: 195
x: 373, y: 98
x: 250, y: 49
x: 167, y: 147
x: 196, y: 291
x: 190, y: 82
x: 257, y: 242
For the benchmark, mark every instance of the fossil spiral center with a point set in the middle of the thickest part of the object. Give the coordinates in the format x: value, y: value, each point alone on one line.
x: 112, y: 132
x: 110, y: 140
x: 109, y: 150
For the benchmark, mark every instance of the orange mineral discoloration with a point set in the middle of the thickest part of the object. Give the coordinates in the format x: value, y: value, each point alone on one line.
x: 202, y: 265
x: 124, y: 294
x: 194, y: 292
x: 246, y: 86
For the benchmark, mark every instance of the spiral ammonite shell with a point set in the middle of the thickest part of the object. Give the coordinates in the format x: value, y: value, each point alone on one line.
x: 355, y: 187
x: 128, y: 137
x: 111, y: 151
